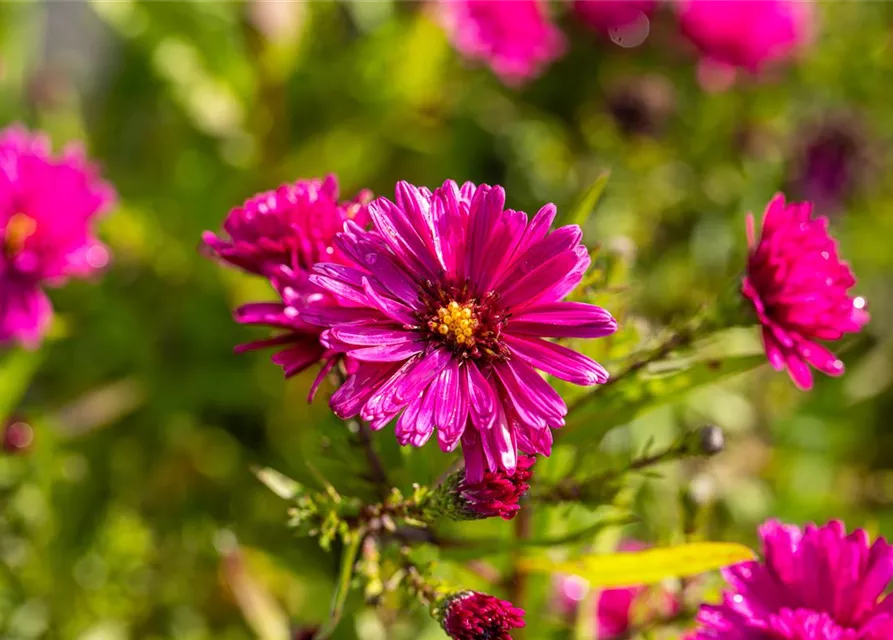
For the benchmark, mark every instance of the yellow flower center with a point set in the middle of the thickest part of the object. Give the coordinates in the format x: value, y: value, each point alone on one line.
x: 455, y: 323
x: 19, y: 228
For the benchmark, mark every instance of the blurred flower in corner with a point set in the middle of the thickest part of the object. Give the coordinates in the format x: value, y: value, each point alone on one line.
x: 514, y: 37
x: 744, y: 34
x: 48, y: 206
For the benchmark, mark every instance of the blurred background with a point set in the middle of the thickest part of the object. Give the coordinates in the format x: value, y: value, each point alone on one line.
x: 129, y: 509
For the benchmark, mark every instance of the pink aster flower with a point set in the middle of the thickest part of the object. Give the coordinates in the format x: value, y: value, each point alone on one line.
x: 816, y: 584
x: 47, y: 209
x: 470, y: 615
x: 746, y: 34
x: 799, y: 288
x: 603, y: 15
x: 281, y: 234
x: 514, y: 37
x: 454, y: 296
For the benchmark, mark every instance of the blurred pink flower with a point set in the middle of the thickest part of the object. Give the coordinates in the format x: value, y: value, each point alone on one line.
x: 281, y: 235
x: 616, y: 610
x: 455, y: 295
x: 515, y: 37
x: 799, y: 288
x: 603, y: 15
x: 746, y: 34
x: 47, y: 209
x: 815, y: 584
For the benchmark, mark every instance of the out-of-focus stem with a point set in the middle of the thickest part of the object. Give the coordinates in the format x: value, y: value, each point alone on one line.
x: 517, y: 585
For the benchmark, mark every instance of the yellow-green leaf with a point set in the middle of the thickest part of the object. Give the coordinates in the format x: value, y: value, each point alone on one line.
x: 588, y: 200
x: 614, y: 570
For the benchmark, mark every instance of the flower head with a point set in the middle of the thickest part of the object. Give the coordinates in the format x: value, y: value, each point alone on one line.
x: 453, y: 296
x: 746, y: 34
x: 799, y: 288
x: 603, y: 15
x: 18, y: 436
x: 470, y: 615
x: 816, y: 584
x: 47, y: 209
x: 281, y: 234
x: 514, y: 37
x: 497, y: 494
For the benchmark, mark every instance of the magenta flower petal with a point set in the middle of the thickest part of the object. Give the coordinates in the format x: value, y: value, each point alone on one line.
x: 603, y: 15
x: 799, y: 289
x: 515, y: 38
x: 281, y: 235
x: 815, y: 584
x: 48, y: 206
x: 459, y: 355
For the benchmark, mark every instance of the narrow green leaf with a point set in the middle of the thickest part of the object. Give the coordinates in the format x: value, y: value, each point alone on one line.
x: 588, y: 200
x: 348, y: 559
x: 628, y: 569
x: 17, y: 368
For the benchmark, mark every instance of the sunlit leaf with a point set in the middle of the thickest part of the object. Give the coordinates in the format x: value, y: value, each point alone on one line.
x: 651, y: 566
x: 281, y: 485
x: 588, y: 200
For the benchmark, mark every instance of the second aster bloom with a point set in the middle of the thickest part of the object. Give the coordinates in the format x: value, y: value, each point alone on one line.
x: 455, y: 295
x: 603, y: 15
x: 48, y: 207
x: 280, y: 235
x: 470, y: 615
x: 814, y: 584
x: 515, y: 37
x: 799, y: 287
x: 746, y: 34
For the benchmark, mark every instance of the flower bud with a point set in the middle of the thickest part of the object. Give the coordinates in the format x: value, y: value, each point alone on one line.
x: 497, y: 494
x: 471, y: 615
x: 712, y: 439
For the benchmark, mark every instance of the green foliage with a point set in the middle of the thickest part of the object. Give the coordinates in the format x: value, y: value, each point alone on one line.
x: 136, y: 515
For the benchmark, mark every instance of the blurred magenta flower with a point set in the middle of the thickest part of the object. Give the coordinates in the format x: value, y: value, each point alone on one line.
x: 831, y: 163
x: 48, y: 206
x: 470, y: 615
x: 603, y: 15
x: 454, y: 295
x: 616, y: 610
x: 816, y: 584
x: 280, y: 235
x: 514, y: 37
x: 799, y: 288
x: 498, y: 493
x: 746, y: 34
x: 18, y: 436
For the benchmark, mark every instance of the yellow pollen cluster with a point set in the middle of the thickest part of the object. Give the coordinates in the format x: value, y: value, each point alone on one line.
x: 19, y: 228
x: 455, y: 321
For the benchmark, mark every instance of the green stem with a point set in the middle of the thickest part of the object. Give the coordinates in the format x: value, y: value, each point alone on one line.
x: 348, y: 559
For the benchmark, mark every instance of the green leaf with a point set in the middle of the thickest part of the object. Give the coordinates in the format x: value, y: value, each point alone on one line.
x: 588, y: 200
x: 628, y: 569
x: 17, y: 368
x: 348, y: 559
x: 620, y: 402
